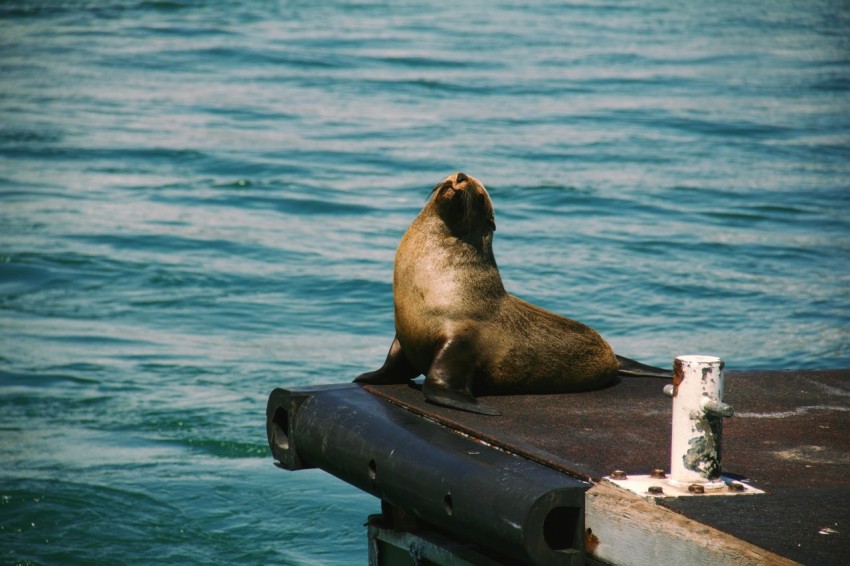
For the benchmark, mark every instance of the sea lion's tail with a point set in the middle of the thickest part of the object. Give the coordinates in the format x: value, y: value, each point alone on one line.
x: 631, y: 368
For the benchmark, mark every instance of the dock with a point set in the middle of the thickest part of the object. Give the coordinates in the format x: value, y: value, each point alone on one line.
x: 540, y: 483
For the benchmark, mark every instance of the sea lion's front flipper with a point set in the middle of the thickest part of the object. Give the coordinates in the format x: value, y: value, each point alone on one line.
x: 449, y: 379
x: 440, y: 394
x: 396, y: 369
x: 631, y: 368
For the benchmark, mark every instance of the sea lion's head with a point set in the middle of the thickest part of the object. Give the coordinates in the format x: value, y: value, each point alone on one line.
x: 464, y: 206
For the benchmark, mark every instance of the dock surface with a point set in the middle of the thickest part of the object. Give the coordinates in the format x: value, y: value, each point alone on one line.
x: 790, y: 437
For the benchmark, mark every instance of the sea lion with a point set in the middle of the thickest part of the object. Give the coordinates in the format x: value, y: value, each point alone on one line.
x: 456, y: 324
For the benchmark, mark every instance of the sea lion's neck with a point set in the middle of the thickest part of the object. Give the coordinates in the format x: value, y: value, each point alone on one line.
x: 441, y: 260
x: 467, y: 247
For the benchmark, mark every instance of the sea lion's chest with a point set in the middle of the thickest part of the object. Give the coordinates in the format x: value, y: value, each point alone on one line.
x: 437, y: 285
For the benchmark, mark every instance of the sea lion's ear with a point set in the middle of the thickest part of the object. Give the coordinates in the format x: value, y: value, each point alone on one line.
x: 493, y: 223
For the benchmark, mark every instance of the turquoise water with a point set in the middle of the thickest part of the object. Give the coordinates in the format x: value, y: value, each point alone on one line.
x: 200, y: 202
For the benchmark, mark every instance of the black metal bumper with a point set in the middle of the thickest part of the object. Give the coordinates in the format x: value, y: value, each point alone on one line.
x: 511, y: 506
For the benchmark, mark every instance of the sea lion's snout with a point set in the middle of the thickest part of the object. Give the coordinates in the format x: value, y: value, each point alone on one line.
x: 453, y: 182
x: 463, y: 204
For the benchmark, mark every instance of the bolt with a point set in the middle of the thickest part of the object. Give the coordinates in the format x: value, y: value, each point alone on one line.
x: 655, y: 490
x: 736, y: 486
x: 658, y: 474
x: 696, y: 488
x: 448, y: 506
x: 619, y: 475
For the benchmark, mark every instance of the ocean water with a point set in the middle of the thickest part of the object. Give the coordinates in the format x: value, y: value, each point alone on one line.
x: 200, y: 202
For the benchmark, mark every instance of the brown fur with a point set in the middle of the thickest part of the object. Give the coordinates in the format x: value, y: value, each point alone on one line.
x: 447, y: 287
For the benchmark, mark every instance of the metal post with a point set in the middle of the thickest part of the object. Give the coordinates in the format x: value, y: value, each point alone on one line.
x: 698, y: 412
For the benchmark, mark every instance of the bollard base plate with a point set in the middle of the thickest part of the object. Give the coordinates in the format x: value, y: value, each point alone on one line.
x: 647, y: 486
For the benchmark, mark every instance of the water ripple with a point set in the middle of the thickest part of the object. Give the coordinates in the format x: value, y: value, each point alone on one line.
x: 202, y: 201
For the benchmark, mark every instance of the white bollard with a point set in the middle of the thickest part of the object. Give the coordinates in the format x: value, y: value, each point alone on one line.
x: 698, y: 412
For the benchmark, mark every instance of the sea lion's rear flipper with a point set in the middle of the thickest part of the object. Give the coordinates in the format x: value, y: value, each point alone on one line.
x: 632, y: 368
x: 396, y: 369
x: 449, y: 378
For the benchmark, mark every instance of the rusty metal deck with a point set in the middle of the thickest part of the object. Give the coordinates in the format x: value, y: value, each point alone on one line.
x: 790, y: 436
